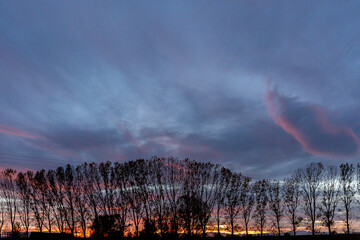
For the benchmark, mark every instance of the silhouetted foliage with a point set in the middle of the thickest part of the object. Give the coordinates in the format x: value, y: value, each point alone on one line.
x: 168, y: 197
x: 105, y: 226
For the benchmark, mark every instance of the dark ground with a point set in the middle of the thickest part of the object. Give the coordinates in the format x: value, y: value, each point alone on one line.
x: 303, y: 237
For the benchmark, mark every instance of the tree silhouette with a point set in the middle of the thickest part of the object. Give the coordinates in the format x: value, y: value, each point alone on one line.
x: 330, y: 196
x: 232, y: 201
x: 275, y: 203
x: 262, y: 199
x: 347, y: 182
x: 311, y: 178
x: 160, y: 197
x: 292, y: 194
x: 9, y: 194
x: 175, y: 173
x: 2, y: 212
x: 247, y: 201
x: 222, y: 186
x: 24, y: 191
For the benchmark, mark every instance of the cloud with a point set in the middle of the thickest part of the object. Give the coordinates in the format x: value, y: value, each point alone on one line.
x: 79, y: 139
x: 310, y: 125
x: 18, y: 133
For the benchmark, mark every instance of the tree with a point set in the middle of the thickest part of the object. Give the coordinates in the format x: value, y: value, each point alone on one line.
x: 91, y: 175
x: 232, y: 200
x: 24, y: 191
x: 133, y: 193
x: 105, y: 226
x: 2, y: 212
x: 36, y: 203
x: 207, y: 176
x: 347, y: 183
x: 80, y: 199
x: 222, y: 186
x: 291, y: 195
x: 69, y: 187
x: 9, y: 193
x: 57, y: 198
x: 247, y: 201
x: 190, y: 206
x: 330, y: 196
x: 142, y: 183
x: 40, y: 195
x: 311, y: 179
x: 105, y: 189
x: 262, y: 198
x: 157, y: 188
x: 275, y: 203
x: 121, y: 201
x: 174, y: 176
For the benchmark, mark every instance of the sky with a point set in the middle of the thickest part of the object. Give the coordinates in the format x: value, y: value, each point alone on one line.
x: 261, y: 87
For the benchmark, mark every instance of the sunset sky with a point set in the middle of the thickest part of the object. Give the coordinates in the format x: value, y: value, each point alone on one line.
x: 262, y: 87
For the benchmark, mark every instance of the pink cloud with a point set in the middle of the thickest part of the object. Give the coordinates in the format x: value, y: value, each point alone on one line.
x: 310, y: 126
x: 18, y: 133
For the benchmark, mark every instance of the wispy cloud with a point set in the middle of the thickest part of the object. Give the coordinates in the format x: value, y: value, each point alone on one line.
x: 18, y: 133
x: 310, y: 126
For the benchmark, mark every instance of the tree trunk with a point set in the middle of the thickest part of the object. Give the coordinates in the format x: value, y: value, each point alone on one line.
x: 347, y: 222
x: 294, y: 229
x: 313, y: 227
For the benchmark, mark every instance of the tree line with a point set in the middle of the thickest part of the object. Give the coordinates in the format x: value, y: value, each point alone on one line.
x: 168, y: 196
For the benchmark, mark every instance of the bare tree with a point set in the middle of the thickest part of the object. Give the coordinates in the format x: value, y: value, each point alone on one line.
x: 175, y: 173
x: 105, y: 189
x: 157, y: 188
x: 41, y: 193
x: 311, y: 179
x: 261, y: 197
x: 70, y: 197
x: 91, y: 176
x: 163, y: 195
x: 222, y: 186
x: 292, y: 194
x: 348, y: 186
x: 65, y: 180
x: 24, y: 191
x: 80, y: 199
x: 57, y: 196
x: 9, y: 193
x: 142, y: 180
x: 232, y: 201
x: 330, y: 196
x: 36, y: 203
x: 191, y: 205
x: 208, y: 175
x: 275, y: 203
x: 2, y: 211
x: 133, y: 194
x: 121, y: 200
x: 247, y: 201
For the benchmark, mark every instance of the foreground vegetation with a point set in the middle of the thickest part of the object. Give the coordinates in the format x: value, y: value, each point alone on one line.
x: 163, y: 197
